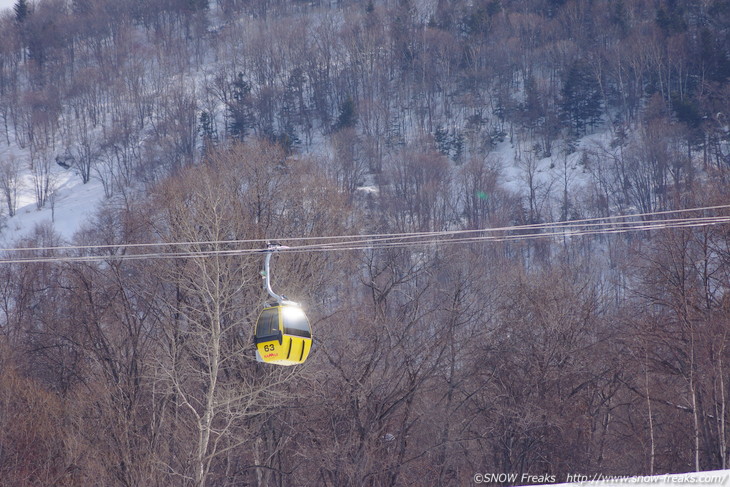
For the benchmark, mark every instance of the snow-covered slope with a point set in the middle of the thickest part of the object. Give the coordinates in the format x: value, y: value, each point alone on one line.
x: 6, y: 4
x: 75, y: 203
x: 69, y: 207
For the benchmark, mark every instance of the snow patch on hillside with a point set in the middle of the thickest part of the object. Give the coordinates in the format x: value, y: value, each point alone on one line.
x: 6, y: 5
x: 70, y: 205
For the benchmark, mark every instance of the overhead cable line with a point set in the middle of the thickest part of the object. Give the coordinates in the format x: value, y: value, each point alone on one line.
x: 186, y: 249
x: 568, y: 223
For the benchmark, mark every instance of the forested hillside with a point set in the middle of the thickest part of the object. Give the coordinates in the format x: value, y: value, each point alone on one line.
x: 126, y: 354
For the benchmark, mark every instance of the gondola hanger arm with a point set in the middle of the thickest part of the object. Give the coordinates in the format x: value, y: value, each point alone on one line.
x: 270, y: 249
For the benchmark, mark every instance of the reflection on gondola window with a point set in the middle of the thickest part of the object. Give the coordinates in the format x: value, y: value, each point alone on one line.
x: 295, y: 322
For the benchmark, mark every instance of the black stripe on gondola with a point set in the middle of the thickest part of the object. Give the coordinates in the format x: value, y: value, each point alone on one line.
x: 289, y: 352
x: 304, y: 345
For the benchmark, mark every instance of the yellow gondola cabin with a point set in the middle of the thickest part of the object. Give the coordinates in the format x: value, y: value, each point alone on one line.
x: 283, y: 335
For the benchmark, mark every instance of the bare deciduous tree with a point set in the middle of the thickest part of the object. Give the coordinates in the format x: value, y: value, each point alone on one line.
x: 10, y: 183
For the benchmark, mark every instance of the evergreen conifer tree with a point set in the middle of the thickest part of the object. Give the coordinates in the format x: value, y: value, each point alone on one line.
x: 239, y: 108
x: 347, y: 116
x: 581, y: 98
x: 22, y: 10
x: 207, y: 131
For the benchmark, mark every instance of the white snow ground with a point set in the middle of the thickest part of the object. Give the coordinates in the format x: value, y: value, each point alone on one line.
x: 73, y: 205
x: 6, y: 4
